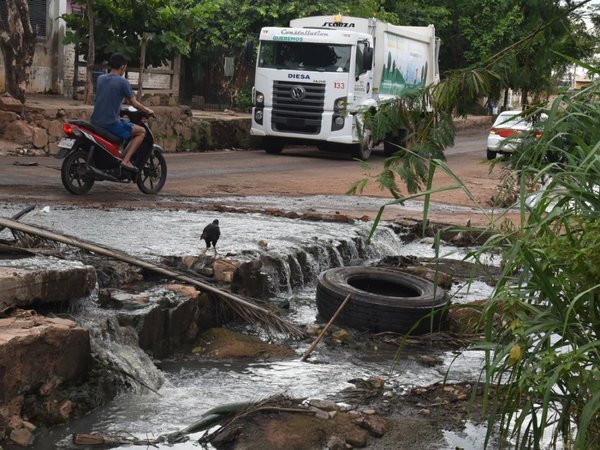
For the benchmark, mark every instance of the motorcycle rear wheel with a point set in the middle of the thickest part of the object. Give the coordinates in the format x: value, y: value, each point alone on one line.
x: 153, y: 174
x: 74, y: 173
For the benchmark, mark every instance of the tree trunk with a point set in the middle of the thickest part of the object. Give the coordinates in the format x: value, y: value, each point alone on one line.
x: 144, y: 46
x: 91, y: 57
x: 524, y: 97
x: 18, y: 46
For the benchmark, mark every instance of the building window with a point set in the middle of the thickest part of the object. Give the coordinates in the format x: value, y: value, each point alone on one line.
x: 37, y: 14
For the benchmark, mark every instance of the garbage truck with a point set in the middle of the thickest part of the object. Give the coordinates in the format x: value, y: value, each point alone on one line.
x: 316, y: 79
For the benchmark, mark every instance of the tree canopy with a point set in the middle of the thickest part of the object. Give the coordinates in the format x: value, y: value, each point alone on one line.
x: 470, y: 31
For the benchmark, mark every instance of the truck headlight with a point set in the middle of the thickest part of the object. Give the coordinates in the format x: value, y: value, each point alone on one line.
x: 258, y: 116
x: 340, y: 104
x: 260, y: 99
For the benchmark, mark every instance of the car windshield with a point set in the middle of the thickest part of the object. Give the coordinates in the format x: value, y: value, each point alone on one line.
x: 304, y: 56
x: 510, y: 121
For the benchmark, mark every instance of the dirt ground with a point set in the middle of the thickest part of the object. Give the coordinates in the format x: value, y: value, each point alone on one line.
x: 302, y: 180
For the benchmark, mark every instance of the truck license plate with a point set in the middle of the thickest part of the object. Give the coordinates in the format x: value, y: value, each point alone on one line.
x: 66, y: 143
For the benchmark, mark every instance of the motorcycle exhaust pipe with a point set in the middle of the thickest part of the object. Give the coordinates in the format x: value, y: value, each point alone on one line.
x: 101, y: 175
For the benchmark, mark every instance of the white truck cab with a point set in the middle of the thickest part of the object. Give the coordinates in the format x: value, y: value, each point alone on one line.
x: 314, y: 78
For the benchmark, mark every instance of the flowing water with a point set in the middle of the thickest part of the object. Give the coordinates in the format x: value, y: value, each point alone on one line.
x: 191, y: 386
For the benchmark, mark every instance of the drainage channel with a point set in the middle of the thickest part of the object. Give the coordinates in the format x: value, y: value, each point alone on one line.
x: 193, y: 386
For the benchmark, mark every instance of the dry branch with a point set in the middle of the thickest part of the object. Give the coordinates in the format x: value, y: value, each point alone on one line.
x: 243, y: 307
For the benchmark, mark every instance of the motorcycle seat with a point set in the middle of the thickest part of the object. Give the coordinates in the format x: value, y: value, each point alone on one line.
x: 98, y: 130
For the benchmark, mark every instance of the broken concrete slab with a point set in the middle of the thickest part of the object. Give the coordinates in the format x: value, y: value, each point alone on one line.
x: 37, y: 355
x: 41, y: 280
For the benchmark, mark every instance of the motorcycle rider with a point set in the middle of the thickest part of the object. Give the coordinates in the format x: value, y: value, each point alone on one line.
x: 111, y: 89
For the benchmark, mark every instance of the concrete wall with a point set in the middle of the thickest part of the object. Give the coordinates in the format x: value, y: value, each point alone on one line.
x: 38, y: 130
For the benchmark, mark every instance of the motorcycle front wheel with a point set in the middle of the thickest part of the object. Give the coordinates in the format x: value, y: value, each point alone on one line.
x: 74, y: 173
x: 153, y: 174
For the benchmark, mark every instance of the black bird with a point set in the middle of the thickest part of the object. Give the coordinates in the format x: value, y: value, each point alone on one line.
x: 210, y: 235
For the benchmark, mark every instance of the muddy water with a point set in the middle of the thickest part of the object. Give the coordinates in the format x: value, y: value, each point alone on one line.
x: 193, y: 386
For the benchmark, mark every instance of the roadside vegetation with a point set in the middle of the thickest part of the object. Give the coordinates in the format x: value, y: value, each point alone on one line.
x: 542, y: 323
x: 546, y: 353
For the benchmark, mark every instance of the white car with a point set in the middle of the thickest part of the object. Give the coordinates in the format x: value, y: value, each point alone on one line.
x: 505, y: 131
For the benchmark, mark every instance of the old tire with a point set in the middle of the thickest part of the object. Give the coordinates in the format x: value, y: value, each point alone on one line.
x: 382, y: 299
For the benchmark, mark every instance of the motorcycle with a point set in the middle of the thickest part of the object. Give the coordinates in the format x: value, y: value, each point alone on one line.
x: 93, y: 154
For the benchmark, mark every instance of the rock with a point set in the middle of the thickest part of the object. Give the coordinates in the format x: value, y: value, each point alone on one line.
x: 319, y: 413
x: 341, y: 335
x: 22, y: 437
x: 40, y: 138
x: 189, y: 261
x: 221, y: 343
x: 173, y: 317
x: 224, y: 269
x: 429, y: 361
x: 9, y: 103
x: 325, y: 405
x: 336, y: 443
x: 375, y: 425
x: 466, y: 319
x: 55, y: 129
x: 357, y: 437
x: 442, y: 279
x: 7, y: 117
x: 114, y: 298
x: 19, y: 132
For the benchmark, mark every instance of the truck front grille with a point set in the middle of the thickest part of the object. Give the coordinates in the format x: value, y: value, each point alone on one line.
x: 297, y: 107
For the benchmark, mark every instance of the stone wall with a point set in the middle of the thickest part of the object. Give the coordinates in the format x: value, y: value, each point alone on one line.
x: 37, y: 126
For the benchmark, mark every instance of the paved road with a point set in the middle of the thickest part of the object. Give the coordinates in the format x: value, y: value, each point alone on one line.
x: 227, y: 175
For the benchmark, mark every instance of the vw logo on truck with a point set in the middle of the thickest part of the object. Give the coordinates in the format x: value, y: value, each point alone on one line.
x: 297, y: 93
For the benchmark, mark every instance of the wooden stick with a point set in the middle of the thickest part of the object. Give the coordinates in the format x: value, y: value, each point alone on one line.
x: 20, y: 214
x: 234, y: 300
x: 318, y: 339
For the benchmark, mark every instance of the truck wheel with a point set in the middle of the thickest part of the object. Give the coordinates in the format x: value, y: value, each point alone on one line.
x: 491, y: 155
x: 363, y: 150
x: 392, y: 144
x: 273, y: 146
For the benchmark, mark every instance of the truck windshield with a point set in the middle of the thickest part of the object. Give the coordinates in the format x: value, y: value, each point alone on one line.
x: 304, y: 56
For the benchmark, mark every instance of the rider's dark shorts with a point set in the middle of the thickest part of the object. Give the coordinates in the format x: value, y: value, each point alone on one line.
x: 122, y: 129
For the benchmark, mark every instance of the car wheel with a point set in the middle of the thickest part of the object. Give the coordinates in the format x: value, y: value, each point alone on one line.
x: 382, y: 299
x: 491, y: 155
